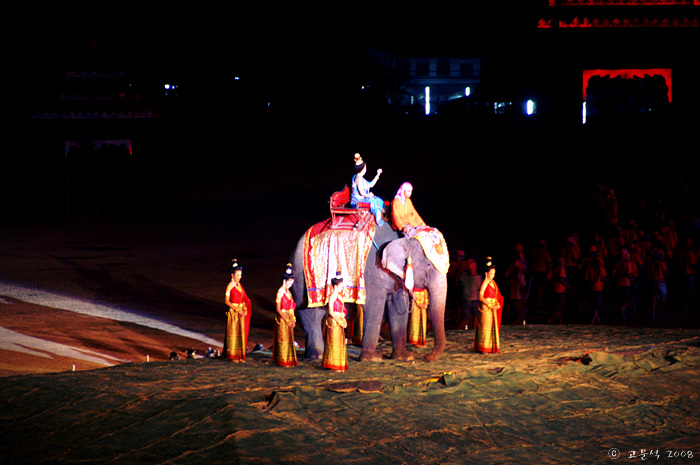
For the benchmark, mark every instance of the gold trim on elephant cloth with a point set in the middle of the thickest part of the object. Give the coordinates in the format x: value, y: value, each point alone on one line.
x: 434, y: 247
x: 331, y: 251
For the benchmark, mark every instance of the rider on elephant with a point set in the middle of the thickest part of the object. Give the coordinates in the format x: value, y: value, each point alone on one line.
x: 403, y: 214
x: 361, y: 190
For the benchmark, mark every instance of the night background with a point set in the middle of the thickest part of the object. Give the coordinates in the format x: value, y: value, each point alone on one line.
x: 272, y: 101
x: 166, y: 139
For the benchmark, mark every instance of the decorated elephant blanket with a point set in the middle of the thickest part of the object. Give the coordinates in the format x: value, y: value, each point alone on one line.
x: 434, y: 247
x: 328, y: 250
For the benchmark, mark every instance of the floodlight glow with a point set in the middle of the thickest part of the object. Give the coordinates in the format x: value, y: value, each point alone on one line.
x: 427, y: 100
x: 467, y: 91
x: 583, y: 113
x: 530, y: 108
x: 167, y: 87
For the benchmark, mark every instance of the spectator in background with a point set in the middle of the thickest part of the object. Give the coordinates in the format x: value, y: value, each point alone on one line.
x: 595, y: 277
x: 470, y: 284
x: 657, y: 274
x: 688, y: 260
x: 560, y: 284
x: 516, y: 274
x: 623, y: 280
x: 541, y: 267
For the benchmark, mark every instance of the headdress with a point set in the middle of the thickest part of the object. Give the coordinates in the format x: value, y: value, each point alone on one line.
x: 401, y: 193
x: 338, y: 278
x: 288, y: 272
x: 235, y: 266
x: 489, y: 264
x: 359, y: 163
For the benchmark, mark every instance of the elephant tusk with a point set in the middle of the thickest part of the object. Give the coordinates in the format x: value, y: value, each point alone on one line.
x: 409, y: 274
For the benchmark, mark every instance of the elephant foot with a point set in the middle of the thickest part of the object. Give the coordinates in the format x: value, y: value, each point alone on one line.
x: 370, y: 356
x: 404, y: 355
x: 432, y: 356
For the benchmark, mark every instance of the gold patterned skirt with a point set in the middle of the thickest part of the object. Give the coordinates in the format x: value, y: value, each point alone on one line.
x: 283, y: 351
x: 418, y: 318
x: 487, y: 339
x: 234, y: 342
x: 335, y: 354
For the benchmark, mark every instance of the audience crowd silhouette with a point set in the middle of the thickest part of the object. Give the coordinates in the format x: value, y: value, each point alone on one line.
x: 636, y: 262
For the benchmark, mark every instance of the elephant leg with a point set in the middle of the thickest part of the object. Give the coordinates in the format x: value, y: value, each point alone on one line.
x: 437, y: 292
x: 372, y: 321
x: 398, y: 306
x: 311, y: 320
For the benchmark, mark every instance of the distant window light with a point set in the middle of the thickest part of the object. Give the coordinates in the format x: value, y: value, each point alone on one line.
x: 530, y: 108
x: 583, y: 113
x: 427, y: 100
x: 467, y: 91
x: 501, y: 107
x: 167, y: 86
x: 237, y: 78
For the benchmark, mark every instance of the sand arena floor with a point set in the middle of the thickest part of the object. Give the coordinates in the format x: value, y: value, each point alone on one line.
x: 112, y: 301
x: 570, y: 394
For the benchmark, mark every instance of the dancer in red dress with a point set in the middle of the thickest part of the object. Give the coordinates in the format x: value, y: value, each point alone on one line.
x: 487, y: 339
x: 237, y: 316
x: 335, y: 355
x: 283, y: 350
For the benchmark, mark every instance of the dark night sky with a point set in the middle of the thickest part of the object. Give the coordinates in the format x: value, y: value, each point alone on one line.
x: 285, y: 47
x: 167, y: 34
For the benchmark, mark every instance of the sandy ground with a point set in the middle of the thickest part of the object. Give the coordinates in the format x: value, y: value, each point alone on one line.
x: 112, y: 301
x: 573, y: 394
x: 91, y: 295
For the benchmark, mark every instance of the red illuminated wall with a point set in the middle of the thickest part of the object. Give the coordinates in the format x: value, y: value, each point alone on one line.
x: 627, y: 74
x: 637, y: 13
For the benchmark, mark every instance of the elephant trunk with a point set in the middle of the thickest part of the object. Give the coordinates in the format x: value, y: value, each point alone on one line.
x: 437, y: 290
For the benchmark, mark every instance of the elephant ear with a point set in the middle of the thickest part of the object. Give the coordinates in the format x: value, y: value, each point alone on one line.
x: 394, y: 257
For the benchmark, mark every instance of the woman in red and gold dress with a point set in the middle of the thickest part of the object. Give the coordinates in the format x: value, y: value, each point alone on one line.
x: 283, y: 351
x: 335, y: 355
x: 237, y: 316
x: 488, y: 324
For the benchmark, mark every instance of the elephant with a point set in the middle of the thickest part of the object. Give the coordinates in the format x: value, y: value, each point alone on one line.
x: 385, y: 289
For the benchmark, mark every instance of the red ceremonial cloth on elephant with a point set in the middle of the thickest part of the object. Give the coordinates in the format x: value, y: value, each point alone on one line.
x: 327, y: 251
x: 434, y: 247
